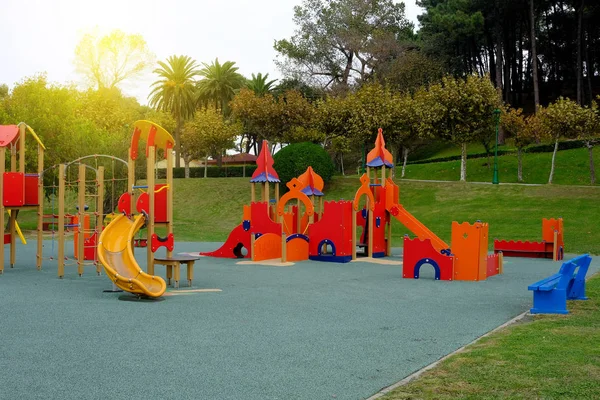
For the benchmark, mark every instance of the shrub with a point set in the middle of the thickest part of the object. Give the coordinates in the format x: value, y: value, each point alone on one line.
x: 292, y: 161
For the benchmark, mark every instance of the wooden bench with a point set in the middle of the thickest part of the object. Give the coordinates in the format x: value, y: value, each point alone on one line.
x: 174, y: 263
x: 550, y: 295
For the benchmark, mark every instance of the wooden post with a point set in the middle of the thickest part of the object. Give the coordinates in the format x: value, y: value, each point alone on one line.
x: 40, y: 209
x: 61, y: 220
x: 500, y: 263
x: 283, y: 247
x: 150, y: 221
x: 266, y: 193
x: 298, y: 217
x: 555, y: 247
x: 276, y: 195
x: 320, y: 207
x: 131, y: 181
x: 12, y: 229
x: 99, y: 213
x: 311, y: 219
x: 169, y: 198
x: 81, y: 214
x: 22, y: 130
x: 13, y: 158
x: 2, y: 161
x: 252, y: 192
x: 388, y: 245
x: 252, y: 240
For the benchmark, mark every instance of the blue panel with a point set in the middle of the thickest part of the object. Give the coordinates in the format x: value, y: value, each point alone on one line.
x: 339, y: 259
x: 377, y: 222
x: 379, y: 254
x: 297, y: 235
x: 329, y: 242
x: 427, y: 261
x: 246, y: 225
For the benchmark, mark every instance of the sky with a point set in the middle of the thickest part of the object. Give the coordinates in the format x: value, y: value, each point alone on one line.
x: 41, y: 35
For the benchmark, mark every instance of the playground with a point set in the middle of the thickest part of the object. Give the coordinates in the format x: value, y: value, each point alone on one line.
x: 306, y: 298
x: 310, y: 330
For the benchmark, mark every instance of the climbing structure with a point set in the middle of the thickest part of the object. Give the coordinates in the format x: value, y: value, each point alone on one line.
x: 339, y: 228
x: 19, y: 190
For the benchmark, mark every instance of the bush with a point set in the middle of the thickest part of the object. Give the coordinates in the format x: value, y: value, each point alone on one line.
x: 293, y: 160
x: 212, y: 172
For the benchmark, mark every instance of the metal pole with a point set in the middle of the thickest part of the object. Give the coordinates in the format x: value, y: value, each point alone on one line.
x: 495, y: 179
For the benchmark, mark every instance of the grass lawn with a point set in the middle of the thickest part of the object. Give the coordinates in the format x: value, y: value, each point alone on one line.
x: 572, y: 168
x: 553, y: 357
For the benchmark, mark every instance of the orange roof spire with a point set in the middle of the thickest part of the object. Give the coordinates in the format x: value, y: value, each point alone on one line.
x: 312, y: 183
x: 379, y: 155
x: 264, y: 171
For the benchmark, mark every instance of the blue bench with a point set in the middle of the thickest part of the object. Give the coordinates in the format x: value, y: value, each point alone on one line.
x: 550, y: 295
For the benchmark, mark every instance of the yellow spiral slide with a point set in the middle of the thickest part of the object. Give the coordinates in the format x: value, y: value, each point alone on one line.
x: 115, y: 252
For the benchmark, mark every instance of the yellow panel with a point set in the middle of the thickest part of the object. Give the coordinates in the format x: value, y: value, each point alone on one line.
x: 162, y: 140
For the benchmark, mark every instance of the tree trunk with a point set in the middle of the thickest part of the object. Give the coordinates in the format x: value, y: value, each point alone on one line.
x: 463, y: 163
x: 342, y: 163
x: 534, y: 67
x: 206, y: 166
x: 579, y: 68
x: 186, y: 161
x: 178, y: 141
x: 520, y: 164
x: 553, y: 159
x: 499, y: 73
x: 404, y: 160
x: 219, y: 160
x: 589, y: 67
x: 590, y: 147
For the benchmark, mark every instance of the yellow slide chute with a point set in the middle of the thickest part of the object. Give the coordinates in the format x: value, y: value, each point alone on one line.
x: 115, y: 252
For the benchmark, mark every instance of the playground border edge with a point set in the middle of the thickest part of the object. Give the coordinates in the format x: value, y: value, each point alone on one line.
x: 420, y: 372
x: 426, y: 368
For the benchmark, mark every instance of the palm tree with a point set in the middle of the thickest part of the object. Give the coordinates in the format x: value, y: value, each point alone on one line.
x: 219, y: 84
x: 259, y: 84
x: 174, y: 92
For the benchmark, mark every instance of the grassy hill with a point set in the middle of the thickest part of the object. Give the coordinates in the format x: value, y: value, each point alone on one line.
x: 572, y: 168
x: 207, y: 209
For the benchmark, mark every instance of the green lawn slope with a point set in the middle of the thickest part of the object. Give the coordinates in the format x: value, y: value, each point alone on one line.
x: 208, y: 209
x: 572, y: 168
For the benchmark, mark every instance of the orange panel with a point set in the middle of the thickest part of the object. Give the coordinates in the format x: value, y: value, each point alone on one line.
x: 297, y: 250
x: 469, y: 246
x: 267, y: 247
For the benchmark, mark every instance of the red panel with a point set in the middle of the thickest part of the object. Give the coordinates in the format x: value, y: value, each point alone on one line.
x: 6, y: 238
x: 14, y: 189
x: 8, y: 134
x: 493, y: 267
x: 124, y: 205
x: 527, y: 249
x: 31, y: 190
x: 416, y: 250
x: 336, y: 226
x: 160, y: 203
x: 158, y: 242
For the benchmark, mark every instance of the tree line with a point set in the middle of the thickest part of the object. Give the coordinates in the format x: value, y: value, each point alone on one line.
x: 351, y: 67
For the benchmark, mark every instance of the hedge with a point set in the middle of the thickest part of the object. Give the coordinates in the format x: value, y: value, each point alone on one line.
x: 293, y: 160
x: 211, y: 172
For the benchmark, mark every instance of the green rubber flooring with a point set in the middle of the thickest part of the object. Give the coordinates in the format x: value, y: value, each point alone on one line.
x: 309, y: 331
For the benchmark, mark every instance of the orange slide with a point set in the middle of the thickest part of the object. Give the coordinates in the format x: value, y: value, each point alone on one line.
x: 115, y: 252
x: 416, y: 227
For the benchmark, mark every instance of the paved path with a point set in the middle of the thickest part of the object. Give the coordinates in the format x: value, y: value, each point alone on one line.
x: 309, y: 331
